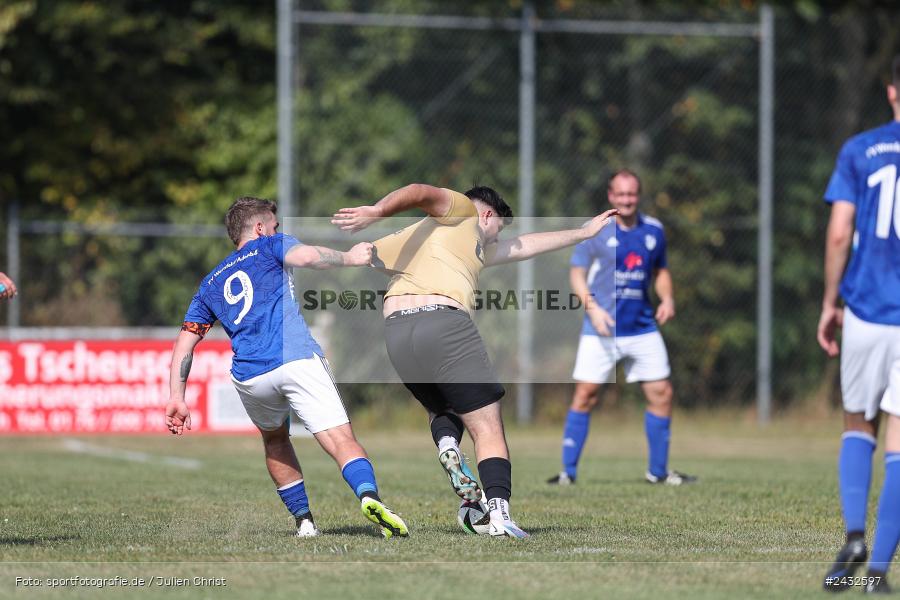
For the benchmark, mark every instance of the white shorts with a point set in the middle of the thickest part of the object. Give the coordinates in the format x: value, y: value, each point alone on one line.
x: 644, y: 358
x: 870, y: 366
x: 305, y: 385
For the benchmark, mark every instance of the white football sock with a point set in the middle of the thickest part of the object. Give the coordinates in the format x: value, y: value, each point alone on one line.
x: 499, y: 510
x: 447, y: 442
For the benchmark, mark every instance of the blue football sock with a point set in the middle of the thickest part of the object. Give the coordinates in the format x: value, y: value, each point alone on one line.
x: 657, y: 430
x: 360, y: 476
x: 854, y: 476
x: 574, y: 435
x: 887, y: 528
x: 294, y: 497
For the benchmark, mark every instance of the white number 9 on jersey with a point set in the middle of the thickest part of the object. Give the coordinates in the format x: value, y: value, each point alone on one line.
x: 246, y: 294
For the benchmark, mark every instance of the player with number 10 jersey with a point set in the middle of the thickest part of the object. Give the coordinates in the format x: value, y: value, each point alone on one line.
x: 864, y: 194
x: 866, y: 175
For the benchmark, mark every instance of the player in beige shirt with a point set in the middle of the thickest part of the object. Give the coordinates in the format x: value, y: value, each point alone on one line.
x: 430, y: 337
x: 438, y: 256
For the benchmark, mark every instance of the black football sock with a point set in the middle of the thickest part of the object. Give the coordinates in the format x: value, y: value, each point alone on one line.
x: 369, y: 494
x: 855, y: 535
x: 446, y: 425
x: 496, y: 478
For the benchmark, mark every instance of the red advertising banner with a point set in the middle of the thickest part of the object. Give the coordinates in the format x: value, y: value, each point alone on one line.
x: 112, y: 386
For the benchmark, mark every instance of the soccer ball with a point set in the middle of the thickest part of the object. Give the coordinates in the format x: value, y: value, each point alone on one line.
x: 474, y: 517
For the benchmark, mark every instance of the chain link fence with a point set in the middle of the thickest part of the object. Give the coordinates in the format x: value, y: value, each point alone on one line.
x: 437, y: 100
x: 385, y: 95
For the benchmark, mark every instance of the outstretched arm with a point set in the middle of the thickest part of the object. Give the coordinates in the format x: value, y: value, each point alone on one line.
x: 837, y: 252
x: 434, y: 201
x: 178, y: 416
x: 529, y: 245
x: 320, y: 257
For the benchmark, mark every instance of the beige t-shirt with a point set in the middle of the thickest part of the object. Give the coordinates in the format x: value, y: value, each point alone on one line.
x: 437, y: 255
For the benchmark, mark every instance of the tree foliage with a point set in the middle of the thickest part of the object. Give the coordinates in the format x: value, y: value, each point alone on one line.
x: 165, y: 111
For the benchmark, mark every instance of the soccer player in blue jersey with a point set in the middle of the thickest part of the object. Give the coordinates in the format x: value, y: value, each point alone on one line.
x: 864, y: 194
x: 277, y: 364
x: 623, y: 327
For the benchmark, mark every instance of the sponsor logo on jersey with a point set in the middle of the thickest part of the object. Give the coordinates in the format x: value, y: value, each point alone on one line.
x: 632, y: 261
x: 624, y: 277
x: 231, y: 263
x: 882, y: 148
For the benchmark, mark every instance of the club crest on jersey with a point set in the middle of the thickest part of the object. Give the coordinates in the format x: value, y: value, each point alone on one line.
x: 650, y: 242
x: 633, y: 260
x: 612, y: 242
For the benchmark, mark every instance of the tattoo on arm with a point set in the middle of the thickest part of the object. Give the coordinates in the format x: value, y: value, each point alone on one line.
x: 327, y: 258
x: 186, y: 366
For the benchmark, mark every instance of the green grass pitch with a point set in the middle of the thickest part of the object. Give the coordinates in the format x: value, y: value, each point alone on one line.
x: 762, y: 522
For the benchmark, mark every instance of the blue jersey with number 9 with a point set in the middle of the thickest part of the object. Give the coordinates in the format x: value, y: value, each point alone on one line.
x: 867, y: 174
x: 252, y: 295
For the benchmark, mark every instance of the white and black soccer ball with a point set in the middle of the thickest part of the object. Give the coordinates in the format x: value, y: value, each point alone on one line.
x: 474, y: 517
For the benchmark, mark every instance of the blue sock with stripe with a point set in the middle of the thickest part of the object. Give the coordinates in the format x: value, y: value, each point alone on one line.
x: 887, y: 528
x: 360, y: 476
x: 854, y: 477
x: 294, y: 497
x: 658, y: 431
x: 574, y: 435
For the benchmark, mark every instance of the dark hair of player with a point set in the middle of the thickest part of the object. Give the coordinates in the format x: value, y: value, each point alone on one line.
x: 242, y: 212
x: 492, y: 199
x: 627, y: 172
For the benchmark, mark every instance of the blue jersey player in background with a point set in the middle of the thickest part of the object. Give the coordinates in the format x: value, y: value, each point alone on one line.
x: 864, y: 193
x: 277, y: 364
x: 620, y: 324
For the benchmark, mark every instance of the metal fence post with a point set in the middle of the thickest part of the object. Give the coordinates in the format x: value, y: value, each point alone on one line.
x: 285, y: 107
x: 766, y: 151
x: 13, y: 257
x: 525, y: 395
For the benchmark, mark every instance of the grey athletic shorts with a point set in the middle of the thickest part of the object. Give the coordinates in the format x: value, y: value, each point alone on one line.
x: 441, y: 359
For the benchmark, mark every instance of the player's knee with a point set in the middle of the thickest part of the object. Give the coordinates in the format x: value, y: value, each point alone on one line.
x: 276, y: 441
x: 584, y: 399
x: 858, y: 422
x: 275, y: 436
x: 662, y: 405
x: 584, y: 404
x: 481, y: 432
x: 659, y: 395
x: 488, y: 434
x: 340, y: 442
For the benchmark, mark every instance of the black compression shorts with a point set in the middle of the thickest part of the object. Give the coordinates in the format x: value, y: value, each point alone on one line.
x: 441, y: 359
